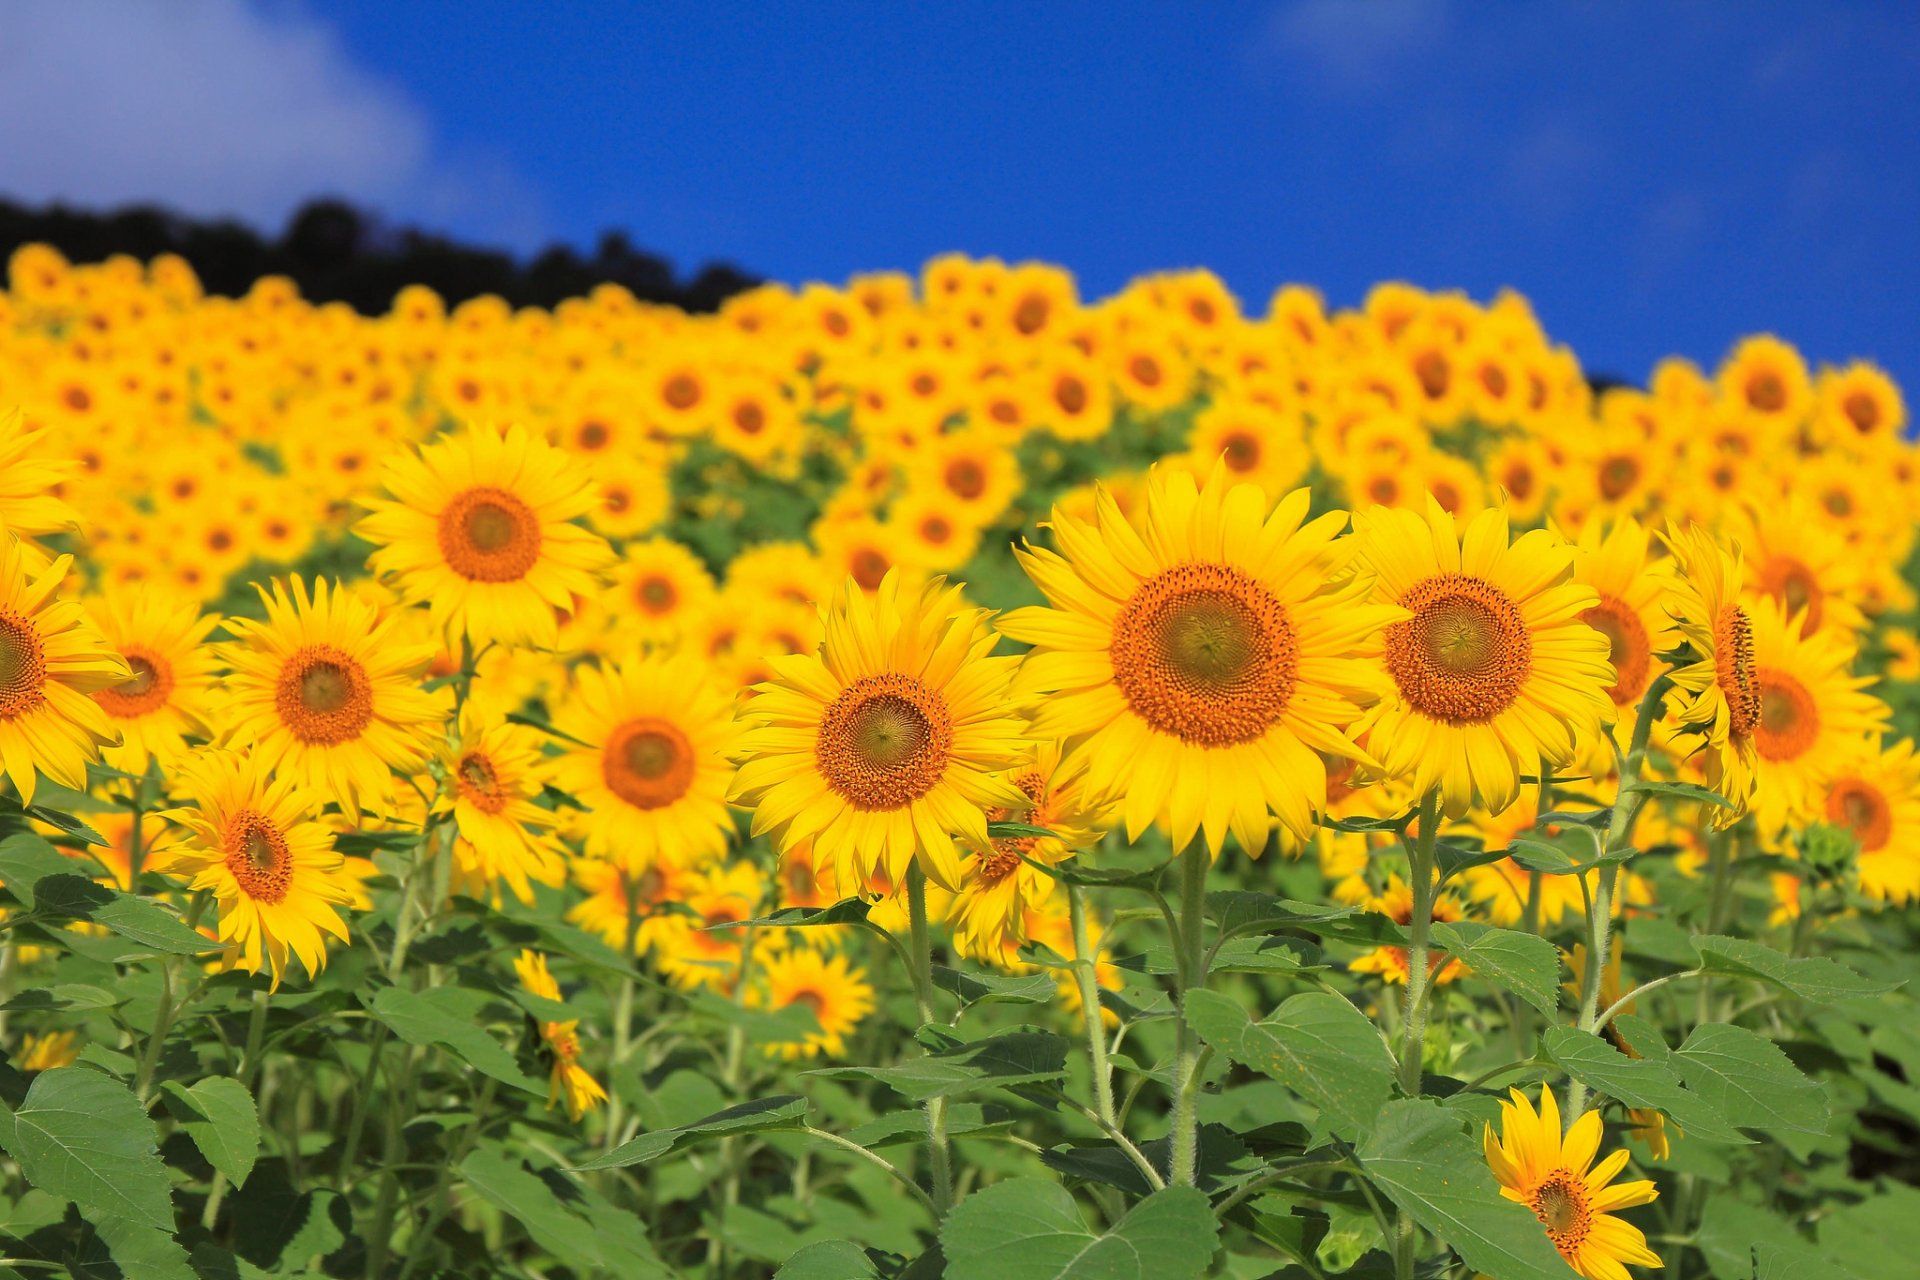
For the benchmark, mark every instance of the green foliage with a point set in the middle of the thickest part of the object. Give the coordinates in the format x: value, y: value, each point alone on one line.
x: 1028, y: 1229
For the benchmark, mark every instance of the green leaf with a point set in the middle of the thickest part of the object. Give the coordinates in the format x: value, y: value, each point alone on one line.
x: 84, y: 1137
x: 761, y: 1026
x: 1018, y: 831
x: 25, y: 860
x: 219, y: 1115
x: 1317, y: 1044
x: 118, y: 1248
x: 986, y: 988
x: 1238, y: 912
x: 1013, y: 1058
x: 1638, y: 1082
x: 1814, y: 978
x: 544, y: 726
x: 1524, y: 963
x: 828, y: 1260
x: 62, y: 997
x: 1750, y: 1079
x: 535, y: 1202
x: 787, y: 1111
x: 1680, y: 791
x: 431, y: 1018
x: 1030, y: 1229
x: 1423, y: 1161
x: 1073, y: 871
x: 71, y: 896
x: 52, y: 817
x: 846, y: 911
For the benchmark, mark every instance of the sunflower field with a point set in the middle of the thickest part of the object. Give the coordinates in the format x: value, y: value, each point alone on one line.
x: 943, y: 777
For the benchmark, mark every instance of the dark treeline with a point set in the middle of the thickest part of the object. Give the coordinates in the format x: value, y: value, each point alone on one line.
x: 337, y: 253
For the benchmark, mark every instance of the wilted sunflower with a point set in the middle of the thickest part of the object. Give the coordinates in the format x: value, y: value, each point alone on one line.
x: 327, y: 688
x: 1203, y: 661
x: 891, y: 741
x: 166, y: 698
x: 480, y: 530
x: 251, y: 839
x: 569, y: 1081
x: 1720, y: 691
x: 493, y: 773
x: 653, y: 772
x: 51, y: 658
x: 1495, y: 674
x: 1570, y: 1195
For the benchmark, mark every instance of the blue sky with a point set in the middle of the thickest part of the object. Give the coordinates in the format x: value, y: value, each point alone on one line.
x: 1656, y: 177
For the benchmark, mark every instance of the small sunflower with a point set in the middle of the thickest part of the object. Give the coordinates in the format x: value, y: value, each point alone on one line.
x: 1395, y: 964
x: 890, y: 741
x: 167, y: 698
x: 251, y: 839
x: 493, y: 772
x: 480, y: 529
x: 837, y: 993
x: 659, y: 589
x: 1874, y: 792
x: 653, y: 772
x: 51, y: 658
x: 1495, y: 674
x: 1720, y: 693
x: 1613, y: 561
x: 1202, y: 662
x: 569, y: 1081
x: 1573, y: 1198
x: 327, y: 687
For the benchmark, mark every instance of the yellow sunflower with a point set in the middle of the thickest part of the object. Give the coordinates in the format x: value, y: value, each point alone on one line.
x: 328, y: 688
x: 1395, y: 964
x: 493, y: 772
x: 1574, y: 1199
x: 1719, y: 692
x: 660, y: 587
x: 1875, y: 793
x: 51, y: 658
x: 1631, y: 614
x: 251, y: 839
x: 1202, y: 662
x: 998, y: 888
x: 653, y: 770
x: 167, y: 698
x: 837, y: 993
x: 1495, y: 674
x: 28, y: 484
x: 480, y: 528
x: 1811, y: 709
x: 890, y: 741
x: 569, y: 1081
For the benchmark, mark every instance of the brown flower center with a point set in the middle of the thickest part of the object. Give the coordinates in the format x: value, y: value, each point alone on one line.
x: 1766, y: 392
x: 258, y: 856
x: 489, y: 535
x: 885, y: 741
x: 1789, y: 720
x: 966, y: 479
x: 1733, y: 669
x: 1205, y: 653
x: 648, y: 762
x: 656, y: 595
x: 146, y: 692
x: 1861, y: 807
x: 1464, y: 654
x: 23, y: 666
x: 1629, y: 648
x: 324, y: 697
x: 1795, y: 586
x: 1561, y: 1204
x: 479, y: 782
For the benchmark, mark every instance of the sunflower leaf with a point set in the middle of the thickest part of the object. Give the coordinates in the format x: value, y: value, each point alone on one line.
x: 1031, y: 1229
x: 1524, y: 963
x: 1815, y: 978
x: 83, y: 1136
x: 1316, y: 1044
x: 1680, y: 791
x: 1002, y: 1061
x: 1749, y: 1078
x: 1638, y: 1082
x: 786, y: 1111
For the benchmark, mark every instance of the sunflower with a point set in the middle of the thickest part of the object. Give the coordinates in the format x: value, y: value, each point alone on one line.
x: 1612, y: 560
x: 28, y: 504
x: 327, y: 687
x: 1256, y: 444
x: 837, y: 994
x: 1801, y: 563
x: 657, y: 589
x: 988, y: 914
x: 493, y: 772
x: 1766, y: 379
x: 51, y: 658
x: 480, y: 529
x: 706, y: 944
x: 1201, y: 663
x: 1495, y: 674
x: 1859, y: 402
x: 616, y: 901
x: 1395, y: 964
x: 166, y: 700
x: 252, y: 839
x: 1874, y: 792
x: 1719, y: 692
x: 652, y: 769
x: 46, y: 1052
x: 890, y: 741
x: 1556, y: 1178
x: 569, y: 1082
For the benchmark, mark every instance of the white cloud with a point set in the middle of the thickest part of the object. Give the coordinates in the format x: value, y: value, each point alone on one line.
x: 1356, y: 44
x: 210, y: 107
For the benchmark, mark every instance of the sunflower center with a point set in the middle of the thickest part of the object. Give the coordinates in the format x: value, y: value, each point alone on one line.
x: 1789, y: 720
x: 1617, y: 477
x: 1795, y: 586
x: 1560, y: 1202
x: 1733, y: 669
x: 965, y: 479
x: 1766, y: 392
x: 869, y: 568
x: 1862, y: 807
x: 1031, y: 315
x: 1628, y: 648
x: 1070, y: 394
x: 648, y: 762
x: 1241, y: 451
x: 258, y: 857
x: 681, y: 392
x: 479, y: 782
x: 656, y: 595
x: 489, y: 535
x: 885, y: 741
x: 324, y: 696
x: 1464, y: 654
x: 148, y: 689
x: 812, y: 1001
x: 1863, y: 411
x: 23, y: 667
x: 1205, y: 653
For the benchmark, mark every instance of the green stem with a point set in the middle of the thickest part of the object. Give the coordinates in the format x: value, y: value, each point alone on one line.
x: 1413, y: 1031
x: 442, y: 1203
x: 623, y: 1011
x: 922, y: 949
x: 1087, y: 974
x: 1190, y: 975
